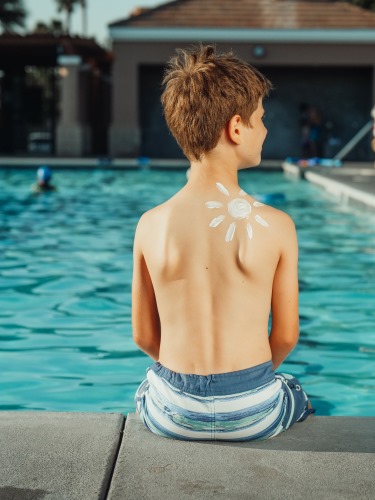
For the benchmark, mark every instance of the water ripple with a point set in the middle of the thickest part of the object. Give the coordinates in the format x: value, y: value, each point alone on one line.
x: 65, y: 282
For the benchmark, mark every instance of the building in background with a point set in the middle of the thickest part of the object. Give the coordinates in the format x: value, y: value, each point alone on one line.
x: 319, y: 54
x: 54, y: 95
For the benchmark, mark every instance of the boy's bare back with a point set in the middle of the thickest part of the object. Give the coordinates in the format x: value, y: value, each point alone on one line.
x: 213, y: 296
x: 211, y: 262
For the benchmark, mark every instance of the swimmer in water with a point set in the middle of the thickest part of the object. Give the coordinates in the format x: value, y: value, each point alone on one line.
x: 43, y: 184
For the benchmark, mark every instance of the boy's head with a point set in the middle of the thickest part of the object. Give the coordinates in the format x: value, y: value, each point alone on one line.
x: 203, y: 91
x: 44, y: 175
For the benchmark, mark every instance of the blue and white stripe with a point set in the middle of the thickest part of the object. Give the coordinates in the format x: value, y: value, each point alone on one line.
x: 197, y: 407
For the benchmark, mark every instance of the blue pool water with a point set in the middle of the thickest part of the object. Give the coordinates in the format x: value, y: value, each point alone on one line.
x: 65, y: 279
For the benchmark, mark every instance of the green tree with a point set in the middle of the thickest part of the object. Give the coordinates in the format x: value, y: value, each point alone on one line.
x: 55, y: 26
x: 365, y: 4
x: 12, y: 14
x: 68, y: 7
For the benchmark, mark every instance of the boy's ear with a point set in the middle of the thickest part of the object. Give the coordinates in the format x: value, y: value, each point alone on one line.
x: 234, y: 128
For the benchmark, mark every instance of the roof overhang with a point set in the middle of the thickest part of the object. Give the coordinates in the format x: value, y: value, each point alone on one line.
x: 44, y: 49
x: 353, y: 36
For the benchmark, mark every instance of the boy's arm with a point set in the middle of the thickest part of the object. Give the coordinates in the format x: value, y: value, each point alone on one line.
x: 285, y: 319
x: 145, y: 316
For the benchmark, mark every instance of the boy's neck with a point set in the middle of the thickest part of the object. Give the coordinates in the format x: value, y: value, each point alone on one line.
x: 208, y: 171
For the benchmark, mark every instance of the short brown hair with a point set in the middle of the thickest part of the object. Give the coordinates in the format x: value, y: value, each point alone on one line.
x: 203, y: 91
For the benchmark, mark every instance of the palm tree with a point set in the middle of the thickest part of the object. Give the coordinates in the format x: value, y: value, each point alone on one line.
x: 12, y: 14
x: 84, y: 16
x: 67, y: 6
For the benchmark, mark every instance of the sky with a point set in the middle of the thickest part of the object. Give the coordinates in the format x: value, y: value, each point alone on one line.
x: 100, y: 14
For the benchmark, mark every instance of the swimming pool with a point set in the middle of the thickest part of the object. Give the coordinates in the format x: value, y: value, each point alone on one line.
x: 65, y: 279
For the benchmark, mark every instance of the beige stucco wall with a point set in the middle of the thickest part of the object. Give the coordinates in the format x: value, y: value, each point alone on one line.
x: 73, y: 135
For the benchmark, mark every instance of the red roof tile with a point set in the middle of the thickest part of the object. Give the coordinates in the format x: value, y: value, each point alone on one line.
x: 266, y: 14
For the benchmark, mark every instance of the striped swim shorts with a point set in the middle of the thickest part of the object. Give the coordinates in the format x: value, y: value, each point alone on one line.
x: 243, y: 405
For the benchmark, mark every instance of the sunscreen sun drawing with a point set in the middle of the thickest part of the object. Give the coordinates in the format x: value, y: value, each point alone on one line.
x: 238, y: 208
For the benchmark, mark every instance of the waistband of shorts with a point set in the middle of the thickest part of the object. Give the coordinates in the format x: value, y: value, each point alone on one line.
x: 218, y: 383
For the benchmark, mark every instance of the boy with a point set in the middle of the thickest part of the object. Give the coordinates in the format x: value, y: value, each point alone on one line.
x: 210, y: 263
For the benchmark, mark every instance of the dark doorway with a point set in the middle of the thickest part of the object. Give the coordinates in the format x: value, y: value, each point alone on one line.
x: 28, y: 111
x: 341, y: 95
x: 156, y: 140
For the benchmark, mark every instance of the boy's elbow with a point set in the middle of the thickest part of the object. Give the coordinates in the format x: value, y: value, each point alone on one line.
x: 291, y: 339
x: 291, y: 342
x: 144, y: 342
x: 139, y: 340
x: 287, y: 340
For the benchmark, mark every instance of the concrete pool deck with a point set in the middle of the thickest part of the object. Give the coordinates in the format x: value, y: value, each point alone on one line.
x: 28, y: 162
x: 107, y: 163
x: 87, y: 456
x: 351, y: 183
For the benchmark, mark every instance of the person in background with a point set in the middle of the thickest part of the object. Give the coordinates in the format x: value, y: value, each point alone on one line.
x: 315, y: 132
x: 304, y: 130
x: 43, y: 184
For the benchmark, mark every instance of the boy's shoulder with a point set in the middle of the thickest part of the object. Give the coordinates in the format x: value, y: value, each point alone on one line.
x: 153, y: 217
x: 156, y: 213
x: 153, y: 213
x: 284, y: 232
x: 281, y: 218
x: 283, y: 229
